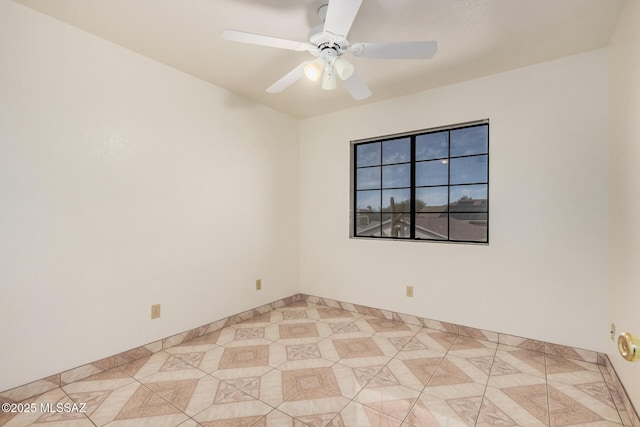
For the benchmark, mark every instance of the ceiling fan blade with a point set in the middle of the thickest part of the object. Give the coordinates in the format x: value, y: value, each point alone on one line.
x: 357, y: 87
x: 397, y: 50
x: 259, y: 39
x: 340, y: 16
x: 290, y: 78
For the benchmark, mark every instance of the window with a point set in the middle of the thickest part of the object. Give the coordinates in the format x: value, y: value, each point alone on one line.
x: 431, y: 185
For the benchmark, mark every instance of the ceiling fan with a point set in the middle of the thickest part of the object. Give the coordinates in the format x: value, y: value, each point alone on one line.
x: 328, y: 43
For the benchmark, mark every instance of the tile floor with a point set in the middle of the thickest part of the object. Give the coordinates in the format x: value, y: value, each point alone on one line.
x: 309, y: 365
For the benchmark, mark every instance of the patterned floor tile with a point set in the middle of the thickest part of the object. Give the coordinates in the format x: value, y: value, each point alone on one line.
x: 458, y: 370
x: 363, y: 351
x: 504, y: 379
x: 582, y: 403
x: 472, y: 347
x: 259, y: 358
x: 572, y: 371
x: 314, y: 412
x: 388, y: 397
x: 365, y: 374
x: 96, y: 389
x: 251, y: 334
x: 565, y: 411
x: 351, y: 328
x: 313, y: 395
x: 329, y: 313
x: 205, y: 358
x: 347, y: 379
x: 205, y: 340
x: 342, y: 326
x: 259, y: 319
x: 411, y: 370
x: 163, y: 362
x: 518, y: 406
x: 244, y: 357
x: 385, y: 325
x: 133, y: 404
x: 525, y: 361
x: 310, y: 383
x: 298, y: 359
x: 269, y: 332
x: 192, y: 395
x: 296, y: 351
x: 242, y: 413
x: 190, y: 423
x: 449, y: 405
x: 533, y: 398
x: 289, y: 314
x: 428, y: 339
x: 302, y: 332
x: 266, y: 387
x: 309, y: 365
x: 276, y: 418
x: 358, y: 415
x: 357, y: 348
x: 299, y: 304
x: 108, y: 380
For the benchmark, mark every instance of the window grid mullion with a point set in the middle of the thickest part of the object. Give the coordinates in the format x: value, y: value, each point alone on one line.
x: 412, y: 217
x: 355, y: 191
x: 412, y: 188
x: 381, y: 187
x: 448, y: 185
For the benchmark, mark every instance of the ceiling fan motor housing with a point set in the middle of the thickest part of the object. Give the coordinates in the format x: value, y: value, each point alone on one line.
x: 327, y: 41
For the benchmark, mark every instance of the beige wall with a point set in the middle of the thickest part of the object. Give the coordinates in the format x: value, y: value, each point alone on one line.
x: 624, y: 190
x: 125, y: 183
x: 544, y: 273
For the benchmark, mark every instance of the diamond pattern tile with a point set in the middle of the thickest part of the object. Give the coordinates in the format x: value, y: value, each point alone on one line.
x: 307, y: 365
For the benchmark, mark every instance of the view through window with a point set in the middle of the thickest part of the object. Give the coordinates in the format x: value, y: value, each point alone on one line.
x: 431, y: 185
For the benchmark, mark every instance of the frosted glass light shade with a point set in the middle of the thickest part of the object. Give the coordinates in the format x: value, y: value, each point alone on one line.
x: 329, y: 80
x: 313, y: 69
x: 344, y: 68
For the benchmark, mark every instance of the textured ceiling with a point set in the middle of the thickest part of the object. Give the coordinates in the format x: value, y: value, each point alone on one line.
x: 475, y: 38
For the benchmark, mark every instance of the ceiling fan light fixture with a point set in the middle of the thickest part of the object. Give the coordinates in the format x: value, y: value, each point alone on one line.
x: 313, y: 69
x: 344, y: 68
x: 329, y: 80
x: 327, y: 43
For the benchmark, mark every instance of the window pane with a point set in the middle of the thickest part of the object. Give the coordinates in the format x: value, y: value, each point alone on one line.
x: 368, y: 178
x: 368, y: 154
x: 469, y: 170
x: 432, y: 146
x: 468, y: 198
x: 368, y: 201
x: 396, y: 225
x: 396, y: 176
x: 472, y: 140
x: 468, y: 227
x: 432, y: 173
x: 430, y: 186
x: 396, y: 151
x: 432, y: 199
x: 396, y: 200
x: 432, y: 226
x: 368, y: 224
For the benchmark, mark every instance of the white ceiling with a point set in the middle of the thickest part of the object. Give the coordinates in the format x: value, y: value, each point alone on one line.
x: 475, y: 38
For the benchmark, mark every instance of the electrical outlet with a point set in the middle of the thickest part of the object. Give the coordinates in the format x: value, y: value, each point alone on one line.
x: 410, y: 291
x: 155, y: 311
x: 612, y: 331
x: 258, y: 284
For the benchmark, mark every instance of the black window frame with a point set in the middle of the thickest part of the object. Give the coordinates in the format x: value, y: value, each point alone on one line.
x: 482, y: 209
